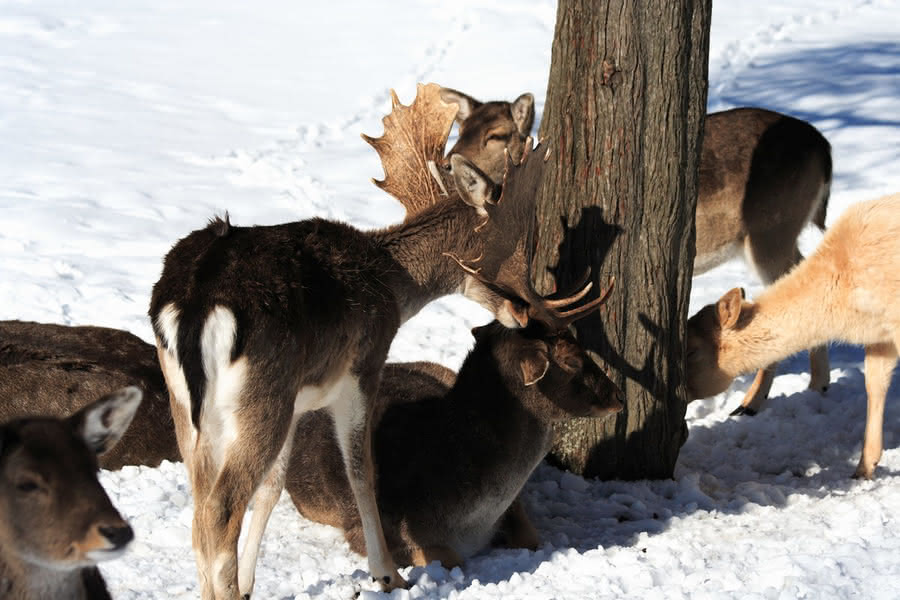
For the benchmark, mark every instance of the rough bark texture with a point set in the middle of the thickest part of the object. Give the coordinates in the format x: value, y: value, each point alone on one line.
x: 624, y: 114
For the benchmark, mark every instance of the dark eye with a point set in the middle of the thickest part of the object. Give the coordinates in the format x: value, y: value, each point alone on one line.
x: 498, y: 137
x: 27, y: 486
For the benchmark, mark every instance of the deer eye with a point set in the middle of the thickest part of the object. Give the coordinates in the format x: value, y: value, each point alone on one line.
x: 27, y: 486
x: 498, y: 137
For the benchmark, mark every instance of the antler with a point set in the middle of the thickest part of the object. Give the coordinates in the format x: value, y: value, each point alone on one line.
x: 411, y: 147
x: 504, y: 267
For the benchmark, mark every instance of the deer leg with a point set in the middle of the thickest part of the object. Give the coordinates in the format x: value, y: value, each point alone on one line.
x: 880, y: 362
x: 516, y: 529
x: 819, y: 375
x: 264, y: 502
x: 352, y: 411
x: 757, y: 392
x: 422, y: 556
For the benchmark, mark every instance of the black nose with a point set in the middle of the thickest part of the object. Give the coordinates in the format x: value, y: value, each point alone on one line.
x: 118, y: 536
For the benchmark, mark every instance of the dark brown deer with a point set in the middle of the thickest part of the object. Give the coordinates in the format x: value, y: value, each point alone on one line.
x: 56, y: 521
x: 55, y: 370
x: 763, y: 177
x: 488, y: 129
x: 452, y: 457
x: 258, y: 325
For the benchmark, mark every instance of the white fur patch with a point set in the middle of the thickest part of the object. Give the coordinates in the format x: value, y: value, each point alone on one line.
x: 167, y: 323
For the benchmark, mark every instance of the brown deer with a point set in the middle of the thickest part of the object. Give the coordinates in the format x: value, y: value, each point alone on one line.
x: 258, y: 325
x: 763, y: 177
x: 56, y: 521
x: 847, y: 290
x: 487, y: 129
x: 453, y: 456
x: 56, y: 370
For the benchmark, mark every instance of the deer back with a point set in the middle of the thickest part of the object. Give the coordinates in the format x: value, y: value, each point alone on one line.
x: 56, y: 370
x: 443, y: 451
x: 56, y: 521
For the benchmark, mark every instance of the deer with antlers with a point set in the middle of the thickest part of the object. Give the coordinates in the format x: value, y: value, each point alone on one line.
x: 847, y: 290
x: 56, y: 521
x: 452, y: 456
x: 258, y: 325
x: 489, y: 129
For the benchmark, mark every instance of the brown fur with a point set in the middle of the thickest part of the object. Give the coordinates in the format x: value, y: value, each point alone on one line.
x: 763, y: 177
x: 452, y: 456
x: 847, y: 290
x: 56, y: 521
x: 56, y: 370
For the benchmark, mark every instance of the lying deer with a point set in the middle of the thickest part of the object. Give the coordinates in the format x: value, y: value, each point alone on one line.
x: 847, y: 290
x: 56, y: 522
x: 55, y: 370
x: 258, y: 325
x: 488, y: 129
x: 453, y: 456
x: 763, y: 177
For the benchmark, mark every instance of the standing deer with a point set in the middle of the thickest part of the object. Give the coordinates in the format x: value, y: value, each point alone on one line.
x: 453, y: 456
x: 258, y: 325
x: 763, y: 177
x: 487, y: 129
x: 847, y: 290
x: 56, y: 370
x: 56, y: 522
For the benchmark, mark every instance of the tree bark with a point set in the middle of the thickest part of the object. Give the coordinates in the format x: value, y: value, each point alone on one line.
x: 624, y: 114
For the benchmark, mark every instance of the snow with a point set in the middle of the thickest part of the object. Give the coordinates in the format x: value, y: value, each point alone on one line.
x: 123, y: 126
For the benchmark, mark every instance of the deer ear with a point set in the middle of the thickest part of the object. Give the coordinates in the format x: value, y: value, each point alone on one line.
x: 514, y: 313
x: 534, y: 362
x: 467, y: 104
x: 729, y: 307
x: 523, y: 113
x: 475, y: 188
x: 103, y: 422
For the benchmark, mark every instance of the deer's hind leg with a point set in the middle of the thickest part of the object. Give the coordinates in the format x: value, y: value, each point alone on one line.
x: 352, y: 409
x: 880, y: 362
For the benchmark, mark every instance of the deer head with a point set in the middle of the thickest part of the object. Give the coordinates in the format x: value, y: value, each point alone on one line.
x: 53, y: 512
x: 707, y: 338
x: 488, y: 129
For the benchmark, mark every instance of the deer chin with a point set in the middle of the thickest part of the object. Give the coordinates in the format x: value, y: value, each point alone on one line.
x: 96, y: 556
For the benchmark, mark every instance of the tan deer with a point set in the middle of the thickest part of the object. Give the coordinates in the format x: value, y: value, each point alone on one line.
x: 487, y: 129
x: 763, y: 177
x: 847, y: 290
x: 56, y: 370
x: 258, y: 325
x: 452, y: 456
x: 56, y: 521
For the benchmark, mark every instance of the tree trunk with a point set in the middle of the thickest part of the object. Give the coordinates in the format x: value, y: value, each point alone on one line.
x: 625, y: 105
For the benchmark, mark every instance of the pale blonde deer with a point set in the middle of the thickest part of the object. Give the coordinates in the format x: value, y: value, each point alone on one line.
x: 763, y: 177
x: 56, y: 521
x: 258, y: 325
x: 847, y: 290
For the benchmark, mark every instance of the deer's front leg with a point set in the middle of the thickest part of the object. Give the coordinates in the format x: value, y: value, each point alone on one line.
x: 352, y: 411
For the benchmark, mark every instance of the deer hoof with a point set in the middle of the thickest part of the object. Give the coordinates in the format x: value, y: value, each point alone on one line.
x: 392, y: 582
x: 743, y: 411
x: 863, y: 473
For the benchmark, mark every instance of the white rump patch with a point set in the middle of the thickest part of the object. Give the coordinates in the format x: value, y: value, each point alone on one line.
x: 224, y: 382
x: 167, y: 323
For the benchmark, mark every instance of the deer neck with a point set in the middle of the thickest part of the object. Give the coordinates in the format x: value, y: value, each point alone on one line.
x: 22, y: 580
x: 417, y: 247
x: 792, y: 315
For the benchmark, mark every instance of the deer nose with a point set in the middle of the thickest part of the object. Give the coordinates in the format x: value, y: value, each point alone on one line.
x: 119, y: 537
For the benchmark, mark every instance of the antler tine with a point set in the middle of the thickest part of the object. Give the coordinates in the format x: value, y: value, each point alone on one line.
x: 584, y: 285
x: 569, y: 316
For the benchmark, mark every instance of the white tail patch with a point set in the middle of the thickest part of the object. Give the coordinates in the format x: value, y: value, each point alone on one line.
x: 167, y: 324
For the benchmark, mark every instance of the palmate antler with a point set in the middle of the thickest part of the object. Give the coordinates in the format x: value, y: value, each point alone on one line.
x: 508, y: 241
x: 412, y: 146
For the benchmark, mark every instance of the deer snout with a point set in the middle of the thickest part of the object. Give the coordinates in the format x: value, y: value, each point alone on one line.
x: 610, y: 400
x: 118, y: 536
x: 107, y: 540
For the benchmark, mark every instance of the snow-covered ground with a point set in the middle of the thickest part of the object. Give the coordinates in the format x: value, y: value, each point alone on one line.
x: 123, y: 126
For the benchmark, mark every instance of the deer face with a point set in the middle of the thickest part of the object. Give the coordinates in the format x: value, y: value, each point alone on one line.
x: 554, y: 376
x: 487, y: 129
x: 53, y: 511
x: 707, y: 333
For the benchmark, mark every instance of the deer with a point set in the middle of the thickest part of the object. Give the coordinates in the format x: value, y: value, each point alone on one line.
x: 453, y: 452
x: 488, y: 129
x: 57, y: 370
x: 763, y: 177
x: 256, y: 326
x: 846, y: 290
x: 56, y: 521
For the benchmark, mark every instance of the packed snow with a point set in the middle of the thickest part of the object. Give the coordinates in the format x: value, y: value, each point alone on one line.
x: 123, y: 126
